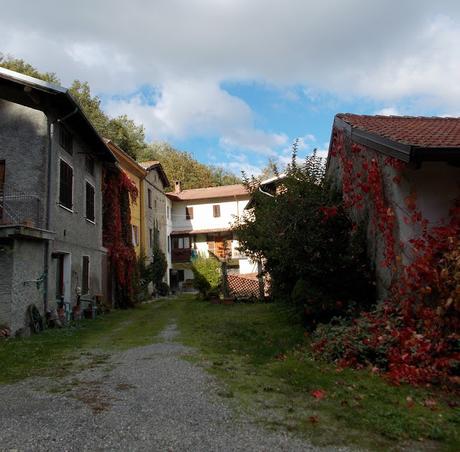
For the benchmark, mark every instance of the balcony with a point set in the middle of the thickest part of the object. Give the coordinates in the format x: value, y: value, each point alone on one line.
x: 19, y: 208
x: 181, y: 255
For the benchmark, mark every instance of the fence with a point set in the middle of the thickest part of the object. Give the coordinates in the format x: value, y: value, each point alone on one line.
x: 17, y: 207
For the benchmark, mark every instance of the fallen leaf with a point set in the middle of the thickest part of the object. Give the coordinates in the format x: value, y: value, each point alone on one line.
x: 318, y: 394
x: 313, y: 419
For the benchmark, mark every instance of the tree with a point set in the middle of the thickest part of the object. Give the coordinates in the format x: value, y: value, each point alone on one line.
x: 181, y: 165
x: 306, y: 240
x: 19, y: 65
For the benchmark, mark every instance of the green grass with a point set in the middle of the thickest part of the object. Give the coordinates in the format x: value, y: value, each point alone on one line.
x: 263, y: 362
x: 56, y: 352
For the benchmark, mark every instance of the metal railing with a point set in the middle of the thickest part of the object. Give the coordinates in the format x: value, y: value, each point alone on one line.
x: 17, y: 207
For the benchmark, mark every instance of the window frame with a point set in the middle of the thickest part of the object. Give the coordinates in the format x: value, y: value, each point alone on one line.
x: 188, y: 213
x: 61, y: 161
x: 216, y: 210
x: 93, y: 220
x: 149, y: 198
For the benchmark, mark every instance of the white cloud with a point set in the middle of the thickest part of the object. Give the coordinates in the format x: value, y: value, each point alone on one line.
x: 388, y: 111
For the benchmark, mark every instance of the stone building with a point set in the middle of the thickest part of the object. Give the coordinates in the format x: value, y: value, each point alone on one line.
x: 399, y: 176
x: 51, y: 163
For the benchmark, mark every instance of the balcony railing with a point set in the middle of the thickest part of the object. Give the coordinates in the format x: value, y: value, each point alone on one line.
x: 17, y: 207
x: 181, y: 255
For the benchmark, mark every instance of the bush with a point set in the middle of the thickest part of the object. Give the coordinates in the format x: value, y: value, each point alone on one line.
x: 163, y: 289
x: 207, y: 275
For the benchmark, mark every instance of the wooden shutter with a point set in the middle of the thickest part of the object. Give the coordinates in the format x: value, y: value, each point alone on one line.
x: 85, y: 275
x: 2, y: 174
x: 216, y: 210
x: 90, y: 214
x: 66, y: 185
x: 189, y: 213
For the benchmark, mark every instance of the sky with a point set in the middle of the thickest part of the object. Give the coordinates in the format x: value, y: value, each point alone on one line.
x: 235, y: 82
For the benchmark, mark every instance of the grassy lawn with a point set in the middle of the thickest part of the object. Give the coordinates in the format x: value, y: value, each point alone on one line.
x: 56, y: 352
x: 264, y: 364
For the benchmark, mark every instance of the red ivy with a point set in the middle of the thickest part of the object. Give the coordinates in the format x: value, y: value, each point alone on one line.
x: 117, y: 232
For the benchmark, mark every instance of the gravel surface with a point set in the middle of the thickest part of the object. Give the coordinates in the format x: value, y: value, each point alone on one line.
x: 146, y: 398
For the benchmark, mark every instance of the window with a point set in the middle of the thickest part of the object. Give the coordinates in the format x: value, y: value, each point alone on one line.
x: 89, y: 164
x: 90, y: 202
x: 135, y: 235
x: 181, y: 243
x: 189, y: 213
x: 66, y: 185
x: 149, y: 197
x: 85, y: 275
x: 216, y: 210
x: 66, y: 139
x: 151, y: 237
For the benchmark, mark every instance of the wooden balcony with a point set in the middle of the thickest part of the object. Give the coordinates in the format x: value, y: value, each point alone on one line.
x: 181, y: 255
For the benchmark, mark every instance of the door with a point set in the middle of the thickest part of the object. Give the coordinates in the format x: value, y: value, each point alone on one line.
x: 63, y: 277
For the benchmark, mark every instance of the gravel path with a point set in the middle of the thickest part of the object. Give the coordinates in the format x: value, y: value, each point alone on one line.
x: 146, y: 398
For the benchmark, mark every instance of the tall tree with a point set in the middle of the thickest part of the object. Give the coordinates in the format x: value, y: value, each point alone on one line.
x: 19, y: 65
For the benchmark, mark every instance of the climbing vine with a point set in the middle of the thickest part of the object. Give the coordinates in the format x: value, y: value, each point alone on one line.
x: 412, y: 336
x: 117, y: 233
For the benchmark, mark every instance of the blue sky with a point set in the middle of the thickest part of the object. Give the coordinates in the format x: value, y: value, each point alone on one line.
x: 236, y: 81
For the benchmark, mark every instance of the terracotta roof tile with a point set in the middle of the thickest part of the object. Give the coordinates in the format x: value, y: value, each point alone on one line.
x: 427, y: 132
x: 224, y: 191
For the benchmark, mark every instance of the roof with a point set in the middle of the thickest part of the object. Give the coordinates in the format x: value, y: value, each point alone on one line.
x: 199, y: 231
x: 150, y: 165
x: 125, y: 160
x: 224, y: 191
x: 405, y: 137
x: 55, y: 100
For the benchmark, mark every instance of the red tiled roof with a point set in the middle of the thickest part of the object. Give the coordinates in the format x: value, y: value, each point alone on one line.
x: 224, y: 191
x: 426, y: 132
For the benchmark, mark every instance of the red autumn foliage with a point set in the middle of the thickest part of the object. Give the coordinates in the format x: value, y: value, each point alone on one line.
x: 117, y: 189
x: 412, y: 336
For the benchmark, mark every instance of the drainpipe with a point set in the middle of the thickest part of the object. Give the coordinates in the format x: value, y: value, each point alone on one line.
x: 47, y: 221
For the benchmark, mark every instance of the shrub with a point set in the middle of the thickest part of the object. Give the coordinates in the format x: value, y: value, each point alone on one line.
x: 163, y: 289
x: 207, y: 275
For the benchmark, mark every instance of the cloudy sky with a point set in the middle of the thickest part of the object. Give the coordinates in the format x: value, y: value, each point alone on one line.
x: 236, y: 81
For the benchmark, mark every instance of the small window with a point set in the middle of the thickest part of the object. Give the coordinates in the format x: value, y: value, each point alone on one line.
x: 89, y: 164
x: 85, y: 275
x: 151, y: 237
x: 149, y: 198
x: 189, y: 213
x: 135, y: 235
x: 66, y: 185
x: 90, y: 215
x: 66, y: 139
x: 216, y: 210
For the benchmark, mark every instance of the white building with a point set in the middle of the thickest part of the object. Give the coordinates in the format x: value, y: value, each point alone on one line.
x: 201, y: 222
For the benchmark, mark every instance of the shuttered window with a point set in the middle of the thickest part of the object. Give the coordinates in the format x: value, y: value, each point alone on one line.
x: 189, y: 213
x: 66, y: 139
x: 85, y: 275
x: 90, y: 214
x: 216, y: 210
x: 66, y: 185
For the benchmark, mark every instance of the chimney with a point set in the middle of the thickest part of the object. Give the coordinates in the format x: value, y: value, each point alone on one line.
x: 177, y: 186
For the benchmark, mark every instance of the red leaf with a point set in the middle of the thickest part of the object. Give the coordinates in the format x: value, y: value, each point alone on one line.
x: 318, y: 394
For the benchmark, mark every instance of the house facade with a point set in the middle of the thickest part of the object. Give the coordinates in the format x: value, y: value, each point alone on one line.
x: 155, y: 209
x: 137, y: 174
x: 51, y: 161
x: 400, y: 177
x: 201, y: 224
